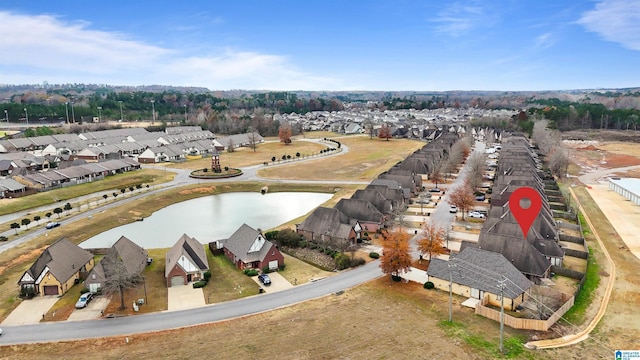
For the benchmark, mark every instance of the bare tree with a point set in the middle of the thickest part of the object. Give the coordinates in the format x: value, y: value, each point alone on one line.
x: 436, y: 176
x: 253, y: 139
x: 476, y: 165
x: 118, y: 278
x: 559, y: 161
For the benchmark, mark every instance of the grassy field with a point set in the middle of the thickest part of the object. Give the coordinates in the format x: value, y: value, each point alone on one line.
x: 366, y: 159
x: 375, y: 320
x: 244, y: 156
x: 59, y: 196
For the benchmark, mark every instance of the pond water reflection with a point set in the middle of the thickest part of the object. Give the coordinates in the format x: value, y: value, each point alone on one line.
x: 212, y: 218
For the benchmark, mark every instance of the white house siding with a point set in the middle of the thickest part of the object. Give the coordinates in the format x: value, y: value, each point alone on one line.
x: 187, y: 265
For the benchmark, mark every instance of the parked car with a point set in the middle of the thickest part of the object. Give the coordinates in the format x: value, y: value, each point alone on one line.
x: 52, y: 225
x: 434, y: 190
x: 264, y: 279
x: 453, y: 209
x: 475, y: 214
x: 480, y: 198
x: 84, y: 300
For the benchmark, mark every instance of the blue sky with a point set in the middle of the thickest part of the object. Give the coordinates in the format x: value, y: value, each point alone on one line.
x: 324, y: 45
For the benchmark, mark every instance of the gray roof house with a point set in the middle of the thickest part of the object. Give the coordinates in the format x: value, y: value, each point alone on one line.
x: 185, y: 262
x: 133, y: 257
x: 247, y: 249
x: 476, y: 274
x: 329, y: 226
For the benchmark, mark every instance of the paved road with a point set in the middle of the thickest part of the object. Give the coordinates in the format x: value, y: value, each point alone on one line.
x: 74, y: 330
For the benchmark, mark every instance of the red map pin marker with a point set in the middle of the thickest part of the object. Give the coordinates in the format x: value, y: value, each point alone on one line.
x: 525, y: 217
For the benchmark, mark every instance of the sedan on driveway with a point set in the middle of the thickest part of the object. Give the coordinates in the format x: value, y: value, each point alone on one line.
x: 264, y: 279
x: 475, y: 214
x: 84, y: 300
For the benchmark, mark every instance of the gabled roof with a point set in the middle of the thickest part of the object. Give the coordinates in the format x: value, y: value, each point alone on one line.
x: 327, y: 221
x: 376, y: 198
x: 63, y: 259
x: 132, y: 256
x: 190, y: 248
x: 11, y: 185
x: 248, y: 244
x: 482, y: 270
x: 361, y: 210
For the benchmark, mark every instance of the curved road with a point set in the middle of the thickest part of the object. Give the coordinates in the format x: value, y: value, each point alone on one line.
x: 73, y: 330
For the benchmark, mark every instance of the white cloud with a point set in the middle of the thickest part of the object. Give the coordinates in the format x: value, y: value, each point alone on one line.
x: 544, y: 41
x: 615, y: 20
x: 44, y: 47
x: 458, y: 18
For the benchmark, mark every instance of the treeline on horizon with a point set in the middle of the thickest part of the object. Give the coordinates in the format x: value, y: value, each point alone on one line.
x: 254, y: 112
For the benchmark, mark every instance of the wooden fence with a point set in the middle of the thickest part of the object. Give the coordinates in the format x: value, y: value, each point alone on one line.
x: 519, y: 323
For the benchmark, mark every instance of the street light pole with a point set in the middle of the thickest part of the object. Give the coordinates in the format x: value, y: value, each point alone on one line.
x: 153, y: 111
x: 26, y: 115
x: 185, y: 113
x: 121, y: 117
x: 99, y: 114
x: 6, y: 116
x: 66, y: 109
x: 73, y: 113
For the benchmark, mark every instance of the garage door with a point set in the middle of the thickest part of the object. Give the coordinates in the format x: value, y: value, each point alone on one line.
x: 51, y: 290
x: 177, y: 280
x: 273, y: 265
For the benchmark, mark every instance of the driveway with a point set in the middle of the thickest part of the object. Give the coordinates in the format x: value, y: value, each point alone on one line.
x: 278, y: 283
x: 92, y: 311
x: 30, y: 311
x: 185, y: 297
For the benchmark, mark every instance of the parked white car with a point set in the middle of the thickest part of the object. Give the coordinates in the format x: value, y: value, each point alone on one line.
x: 475, y: 214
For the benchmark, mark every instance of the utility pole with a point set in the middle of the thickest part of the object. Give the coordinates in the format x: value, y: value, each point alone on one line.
x: 501, y: 286
x: 121, y: 117
x: 451, y: 265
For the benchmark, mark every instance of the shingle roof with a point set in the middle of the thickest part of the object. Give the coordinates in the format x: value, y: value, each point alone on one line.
x: 132, y: 256
x: 63, y: 258
x: 189, y: 247
x: 248, y: 244
x: 481, y: 270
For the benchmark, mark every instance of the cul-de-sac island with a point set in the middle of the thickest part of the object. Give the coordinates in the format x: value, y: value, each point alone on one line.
x: 171, y: 224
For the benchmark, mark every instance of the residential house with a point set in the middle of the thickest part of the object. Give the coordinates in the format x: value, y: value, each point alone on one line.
x: 133, y: 258
x: 185, y: 262
x: 330, y: 227
x: 476, y: 274
x: 57, y: 269
x: 248, y: 249
x: 362, y: 211
x: 10, y: 188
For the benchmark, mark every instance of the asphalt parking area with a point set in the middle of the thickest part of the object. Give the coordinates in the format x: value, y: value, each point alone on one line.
x: 93, y: 310
x: 185, y: 297
x: 278, y: 283
x: 30, y: 311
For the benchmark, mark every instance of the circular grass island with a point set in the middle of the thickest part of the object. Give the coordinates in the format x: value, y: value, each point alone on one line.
x: 209, y: 174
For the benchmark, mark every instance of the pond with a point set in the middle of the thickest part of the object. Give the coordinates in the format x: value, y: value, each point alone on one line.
x: 212, y: 218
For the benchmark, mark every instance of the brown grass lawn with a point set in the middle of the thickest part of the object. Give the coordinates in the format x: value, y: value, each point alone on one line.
x: 116, y: 182
x: 366, y: 159
x: 227, y: 282
x: 245, y: 156
x: 299, y: 272
x: 376, y: 320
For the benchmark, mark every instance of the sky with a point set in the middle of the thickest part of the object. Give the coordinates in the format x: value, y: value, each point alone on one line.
x: 333, y: 45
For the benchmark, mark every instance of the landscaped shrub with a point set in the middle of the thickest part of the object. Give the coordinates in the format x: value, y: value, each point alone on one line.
x: 396, y: 278
x: 327, y: 251
x: 312, y: 245
x: 271, y: 235
x: 84, y: 290
x: 207, y: 276
x: 199, y: 284
x: 303, y: 244
x: 429, y: 285
x: 374, y: 255
x: 343, y: 261
x: 250, y: 272
x: 265, y: 269
x: 357, y: 262
x: 27, y: 292
x: 288, y: 237
x: 282, y: 267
